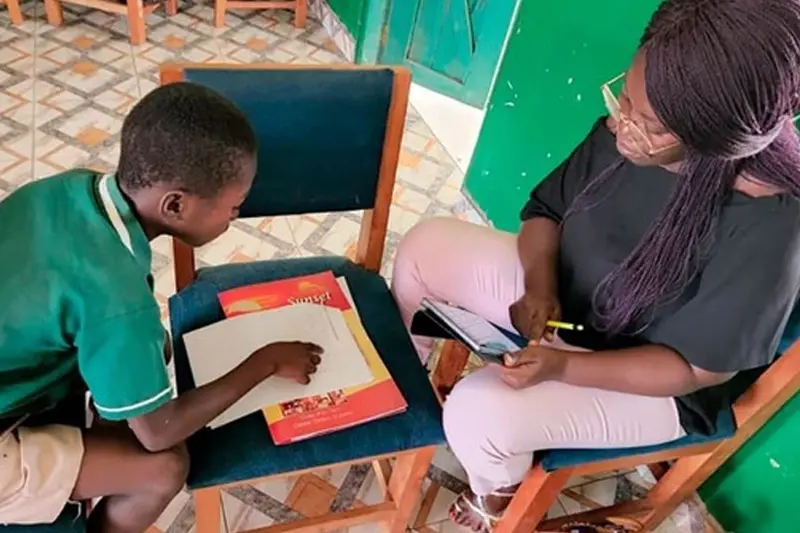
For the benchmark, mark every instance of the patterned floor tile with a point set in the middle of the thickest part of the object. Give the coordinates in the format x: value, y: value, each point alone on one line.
x: 81, y: 135
x: 83, y: 59
x: 371, y: 491
x: 16, y: 150
x: 17, y: 45
x: 269, y: 37
x: 240, y: 515
x: 187, y: 38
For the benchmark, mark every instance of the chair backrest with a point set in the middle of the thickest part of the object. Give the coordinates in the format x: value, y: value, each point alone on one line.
x: 329, y: 140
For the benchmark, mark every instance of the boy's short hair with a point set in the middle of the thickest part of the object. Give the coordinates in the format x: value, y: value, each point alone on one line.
x: 187, y: 135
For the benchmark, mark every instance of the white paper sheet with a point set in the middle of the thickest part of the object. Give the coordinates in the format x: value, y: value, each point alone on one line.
x: 342, y: 281
x: 215, y: 350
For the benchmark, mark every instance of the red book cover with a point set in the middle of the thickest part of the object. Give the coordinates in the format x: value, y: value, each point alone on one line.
x: 316, y: 415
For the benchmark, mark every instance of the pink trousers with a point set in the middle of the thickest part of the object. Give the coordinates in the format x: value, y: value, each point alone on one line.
x: 491, y: 428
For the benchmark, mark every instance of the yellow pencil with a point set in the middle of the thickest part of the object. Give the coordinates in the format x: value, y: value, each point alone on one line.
x: 564, y: 325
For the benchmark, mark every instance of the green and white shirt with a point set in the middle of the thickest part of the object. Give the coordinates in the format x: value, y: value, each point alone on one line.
x: 76, y: 300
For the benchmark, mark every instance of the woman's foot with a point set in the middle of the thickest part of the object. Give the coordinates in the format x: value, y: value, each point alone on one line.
x: 480, y: 513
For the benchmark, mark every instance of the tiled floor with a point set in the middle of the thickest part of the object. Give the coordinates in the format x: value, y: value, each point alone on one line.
x: 63, y: 94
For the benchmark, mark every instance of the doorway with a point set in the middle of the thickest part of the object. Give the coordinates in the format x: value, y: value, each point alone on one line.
x: 452, y: 47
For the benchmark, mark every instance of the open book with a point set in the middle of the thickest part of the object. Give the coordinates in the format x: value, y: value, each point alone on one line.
x: 215, y: 350
x: 489, y: 341
x: 336, y: 409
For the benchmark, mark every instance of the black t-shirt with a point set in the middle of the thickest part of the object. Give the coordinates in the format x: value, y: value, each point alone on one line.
x: 731, y: 316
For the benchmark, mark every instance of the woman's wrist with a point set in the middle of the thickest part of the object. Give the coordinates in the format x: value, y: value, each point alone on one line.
x: 541, y: 283
x: 568, y: 362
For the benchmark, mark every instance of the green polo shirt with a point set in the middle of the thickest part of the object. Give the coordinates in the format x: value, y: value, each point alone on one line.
x: 76, y: 302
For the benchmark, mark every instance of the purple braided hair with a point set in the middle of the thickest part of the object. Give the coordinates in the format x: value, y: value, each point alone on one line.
x: 723, y: 76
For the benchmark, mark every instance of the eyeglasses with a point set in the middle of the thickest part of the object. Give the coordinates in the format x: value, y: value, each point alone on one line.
x: 641, y: 140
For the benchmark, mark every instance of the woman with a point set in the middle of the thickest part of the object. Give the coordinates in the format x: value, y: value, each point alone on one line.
x: 672, y: 232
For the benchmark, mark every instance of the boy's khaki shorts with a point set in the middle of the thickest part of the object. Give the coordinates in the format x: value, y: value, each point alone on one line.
x: 38, y: 471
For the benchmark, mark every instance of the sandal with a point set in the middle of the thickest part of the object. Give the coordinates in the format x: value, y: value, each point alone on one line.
x: 464, y: 505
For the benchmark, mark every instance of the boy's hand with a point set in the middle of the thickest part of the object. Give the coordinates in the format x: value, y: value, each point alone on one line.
x: 290, y: 360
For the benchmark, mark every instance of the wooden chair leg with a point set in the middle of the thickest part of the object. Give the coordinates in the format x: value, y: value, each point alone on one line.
x: 405, y: 485
x: 428, y: 499
x: 682, y: 479
x: 54, y: 12
x: 452, y: 362
x: 383, y: 473
x: 136, y: 21
x: 220, y: 7
x: 208, y: 510
x: 172, y: 8
x: 301, y: 13
x: 534, y: 498
x: 14, y: 11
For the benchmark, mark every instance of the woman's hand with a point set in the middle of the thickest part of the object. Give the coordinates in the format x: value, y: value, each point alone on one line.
x: 533, y: 365
x: 530, y: 314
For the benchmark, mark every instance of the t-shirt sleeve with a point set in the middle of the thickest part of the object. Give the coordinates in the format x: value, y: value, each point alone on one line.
x: 552, y: 196
x: 744, y: 298
x: 121, y: 360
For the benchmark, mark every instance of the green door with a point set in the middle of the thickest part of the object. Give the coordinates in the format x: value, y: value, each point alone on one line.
x: 452, y: 46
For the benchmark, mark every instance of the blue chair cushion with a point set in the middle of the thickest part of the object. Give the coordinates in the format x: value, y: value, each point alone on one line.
x: 70, y: 520
x: 555, y: 459
x: 244, y: 449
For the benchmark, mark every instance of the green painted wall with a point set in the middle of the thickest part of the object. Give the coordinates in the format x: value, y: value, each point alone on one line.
x: 547, y: 94
x: 544, y: 101
x: 351, y: 13
x: 757, y: 490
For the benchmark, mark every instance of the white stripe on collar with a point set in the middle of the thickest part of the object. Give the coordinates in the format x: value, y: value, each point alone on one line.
x: 113, y: 212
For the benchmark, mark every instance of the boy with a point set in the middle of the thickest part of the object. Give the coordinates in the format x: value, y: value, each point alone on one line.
x: 78, y: 311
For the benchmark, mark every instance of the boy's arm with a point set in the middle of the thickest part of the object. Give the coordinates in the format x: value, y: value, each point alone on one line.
x: 175, y: 421
x: 121, y: 360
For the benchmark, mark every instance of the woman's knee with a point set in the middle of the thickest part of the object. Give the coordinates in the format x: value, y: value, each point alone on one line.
x: 426, y: 238
x: 479, y: 412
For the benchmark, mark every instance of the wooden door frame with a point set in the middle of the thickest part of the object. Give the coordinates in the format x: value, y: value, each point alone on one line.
x: 374, y: 31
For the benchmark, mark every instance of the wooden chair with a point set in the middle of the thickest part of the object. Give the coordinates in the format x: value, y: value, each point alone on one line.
x: 300, y: 8
x: 14, y: 11
x: 135, y: 10
x: 695, y: 458
x: 329, y: 140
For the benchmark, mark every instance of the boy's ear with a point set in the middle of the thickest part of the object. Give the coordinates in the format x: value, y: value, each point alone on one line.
x: 174, y: 206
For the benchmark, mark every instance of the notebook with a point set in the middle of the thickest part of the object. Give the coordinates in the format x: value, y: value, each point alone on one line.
x: 487, y: 340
